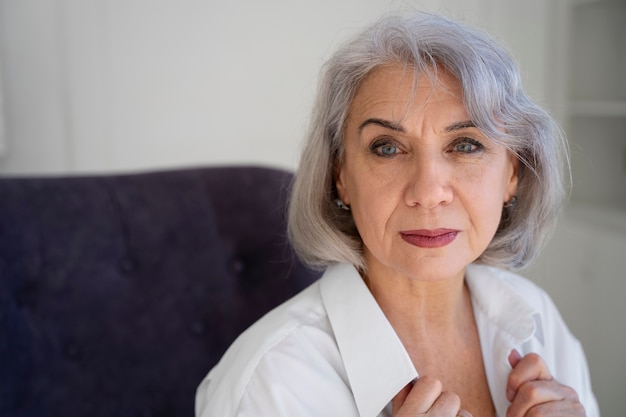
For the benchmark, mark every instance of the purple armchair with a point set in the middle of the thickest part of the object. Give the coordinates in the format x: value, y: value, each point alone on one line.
x: 119, y: 292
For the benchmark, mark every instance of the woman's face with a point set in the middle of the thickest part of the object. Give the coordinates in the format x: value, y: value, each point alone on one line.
x: 425, y: 186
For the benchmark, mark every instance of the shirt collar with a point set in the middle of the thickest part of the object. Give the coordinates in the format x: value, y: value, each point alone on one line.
x: 376, y: 363
x: 500, y: 303
x: 505, y: 321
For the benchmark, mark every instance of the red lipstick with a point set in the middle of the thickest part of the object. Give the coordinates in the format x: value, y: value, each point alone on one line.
x: 429, y: 238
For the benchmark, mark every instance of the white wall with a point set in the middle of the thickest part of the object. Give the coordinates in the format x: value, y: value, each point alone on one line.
x: 96, y: 85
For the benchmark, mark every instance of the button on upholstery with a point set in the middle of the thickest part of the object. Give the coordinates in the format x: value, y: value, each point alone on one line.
x: 127, y: 265
x: 197, y: 328
x: 238, y: 266
x: 71, y: 351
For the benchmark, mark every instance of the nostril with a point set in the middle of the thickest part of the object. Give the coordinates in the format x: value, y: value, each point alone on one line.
x: 428, y: 196
x: 428, y: 184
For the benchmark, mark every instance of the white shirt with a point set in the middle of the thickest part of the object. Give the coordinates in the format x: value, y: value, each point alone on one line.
x: 330, y: 350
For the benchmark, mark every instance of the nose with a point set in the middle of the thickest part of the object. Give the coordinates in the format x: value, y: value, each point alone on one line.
x: 429, y: 183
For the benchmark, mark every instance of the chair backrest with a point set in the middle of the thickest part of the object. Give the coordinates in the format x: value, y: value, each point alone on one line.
x: 118, y: 293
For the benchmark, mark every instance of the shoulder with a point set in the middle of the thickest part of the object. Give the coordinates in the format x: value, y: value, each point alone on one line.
x: 514, y: 303
x: 292, y: 330
x: 505, y: 294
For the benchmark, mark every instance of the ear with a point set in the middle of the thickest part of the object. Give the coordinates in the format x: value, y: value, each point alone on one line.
x: 339, y: 177
x: 513, y: 178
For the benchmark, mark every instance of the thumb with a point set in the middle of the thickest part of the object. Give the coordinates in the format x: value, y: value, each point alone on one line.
x: 514, y: 358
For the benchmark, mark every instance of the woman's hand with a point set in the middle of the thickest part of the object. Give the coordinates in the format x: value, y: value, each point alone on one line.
x: 534, y: 393
x: 426, y: 398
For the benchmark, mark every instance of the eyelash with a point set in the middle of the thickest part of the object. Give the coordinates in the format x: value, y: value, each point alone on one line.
x: 477, y: 146
x: 377, y: 145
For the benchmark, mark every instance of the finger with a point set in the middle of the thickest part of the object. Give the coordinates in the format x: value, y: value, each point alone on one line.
x: 420, y: 398
x: 554, y: 408
x: 400, y: 397
x: 514, y: 358
x: 424, y: 393
x: 447, y: 404
x: 537, y: 393
x: 529, y: 368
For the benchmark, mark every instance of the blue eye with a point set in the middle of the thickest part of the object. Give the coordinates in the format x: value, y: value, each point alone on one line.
x: 467, y: 145
x: 388, y: 149
x: 385, y: 148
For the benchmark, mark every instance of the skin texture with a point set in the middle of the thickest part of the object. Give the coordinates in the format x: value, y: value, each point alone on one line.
x: 534, y: 393
x: 426, y: 190
x: 441, y: 175
x: 425, y: 398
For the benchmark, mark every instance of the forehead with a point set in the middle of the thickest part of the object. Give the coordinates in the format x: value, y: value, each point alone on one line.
x: 400, y: 89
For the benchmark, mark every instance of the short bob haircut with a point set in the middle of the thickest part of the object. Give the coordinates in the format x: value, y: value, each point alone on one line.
x: 322, y: 234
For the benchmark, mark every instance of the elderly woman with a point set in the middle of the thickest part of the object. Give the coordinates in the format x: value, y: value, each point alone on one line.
x: 427, y: 178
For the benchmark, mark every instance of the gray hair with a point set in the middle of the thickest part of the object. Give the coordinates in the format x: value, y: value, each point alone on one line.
x: 322, y: 234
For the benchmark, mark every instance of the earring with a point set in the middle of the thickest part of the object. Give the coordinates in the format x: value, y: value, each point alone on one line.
x: 511, y: 203
x: 341, y: 205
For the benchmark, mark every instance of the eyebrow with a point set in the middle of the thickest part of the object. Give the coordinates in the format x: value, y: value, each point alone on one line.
x: 380, y: 122
x: 460, y: 125
x: 398, y: 128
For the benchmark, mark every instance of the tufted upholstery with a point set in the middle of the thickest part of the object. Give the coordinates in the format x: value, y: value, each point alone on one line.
x: 118, y: 293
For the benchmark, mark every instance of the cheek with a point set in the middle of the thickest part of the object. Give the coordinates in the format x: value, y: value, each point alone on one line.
x: 489, y: 179
x: 483, y: 192
x: 373, y: 204
x: 373, y: 201
x: 364, y: 185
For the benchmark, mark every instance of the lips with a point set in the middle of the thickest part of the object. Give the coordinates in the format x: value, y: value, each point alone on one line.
x: 429, y: 238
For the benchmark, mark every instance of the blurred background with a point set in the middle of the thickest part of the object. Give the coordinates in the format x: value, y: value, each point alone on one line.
x: 108, y: 86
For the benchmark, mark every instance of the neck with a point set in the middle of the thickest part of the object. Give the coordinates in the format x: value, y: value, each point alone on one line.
x: 422, y: 309
x: 433, y: 317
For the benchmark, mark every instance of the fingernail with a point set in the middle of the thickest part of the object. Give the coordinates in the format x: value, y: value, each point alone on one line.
x: 514, y: 357
x: 510, y: 394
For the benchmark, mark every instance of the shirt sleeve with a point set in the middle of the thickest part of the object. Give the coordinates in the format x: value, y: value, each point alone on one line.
x: 302, y: 375
x: 284, y: 388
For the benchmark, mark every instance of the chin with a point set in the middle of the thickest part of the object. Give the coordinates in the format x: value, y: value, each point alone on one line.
x: 435, y: 269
